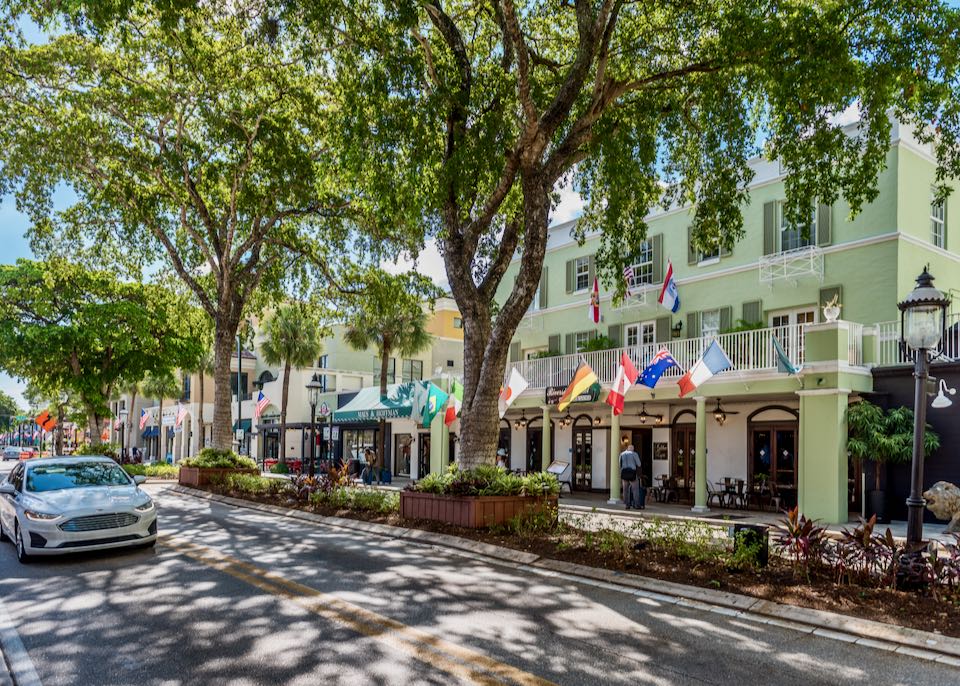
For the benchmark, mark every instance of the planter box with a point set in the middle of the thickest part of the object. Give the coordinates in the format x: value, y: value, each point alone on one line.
x: 197, y: 476
x: 473, y: 512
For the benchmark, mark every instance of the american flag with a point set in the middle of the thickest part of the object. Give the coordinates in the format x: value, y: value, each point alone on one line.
x: 144, y: 418
x: 181, y: 415
x: 628, y: 277
x: 262, y: 402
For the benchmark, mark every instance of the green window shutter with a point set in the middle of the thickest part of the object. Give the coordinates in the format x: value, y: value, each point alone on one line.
x: 693, y: 325
x: 726, y: 318
x: 824, y: 224
x: 570, y: 345
x: 593, y: 271
x: 827, y: 293
x: 543, y: 288
x: 945, y: 244
x: 553, y: 344
x: 769, y: 230
x: 752, y: 311
x: 657, y: 248
x: 570, y: 283
x: 662, y: 329
x: 691, y: 251
x: 615, y: 332
x: 515, y: 351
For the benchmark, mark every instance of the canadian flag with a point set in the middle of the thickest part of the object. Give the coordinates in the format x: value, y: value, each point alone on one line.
x: 626, y: 377
x: 594, y: 311
x: 515, y: 386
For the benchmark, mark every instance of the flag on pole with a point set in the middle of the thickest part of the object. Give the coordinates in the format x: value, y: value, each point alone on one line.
x: 626, y: 377
x: 454, y: 403
x: 669, y: 295
x: 714, y: 361
x: 262, y: 402
x: 659, y: 363
x: 418, y: 397
x: 628, y: 277
x: 515, y: 386
x: 181, y: 415
x: 117, y: 423
x: 144, y: 418
x: 582, y: 379
x: 436, y: 399
x: 594, y: 310
x: 783, y: 362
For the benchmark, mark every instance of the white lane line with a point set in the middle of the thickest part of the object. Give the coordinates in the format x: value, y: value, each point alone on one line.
x: 18, y: 660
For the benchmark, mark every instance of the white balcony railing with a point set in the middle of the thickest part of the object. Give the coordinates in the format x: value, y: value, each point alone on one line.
x: 750, y: 351
x: 888, y: 342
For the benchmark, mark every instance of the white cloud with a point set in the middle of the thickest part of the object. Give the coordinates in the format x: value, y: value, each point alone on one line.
x: 13, y: 388
x: 570, y: 205
x: 429, y: 263
x: 848, y: 116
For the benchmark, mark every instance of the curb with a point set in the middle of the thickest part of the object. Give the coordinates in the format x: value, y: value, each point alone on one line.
x: 869, y: 633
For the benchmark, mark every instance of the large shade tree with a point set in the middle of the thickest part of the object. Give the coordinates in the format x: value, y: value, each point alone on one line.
x: 291, y: 337
x: 496, y: 104
x: 68, y: 329
x: 194, y: 136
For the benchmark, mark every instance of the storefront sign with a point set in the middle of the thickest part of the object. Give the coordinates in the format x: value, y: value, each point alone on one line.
x: 336, y: 433
x: 323, y: 410
x: 554, y: 393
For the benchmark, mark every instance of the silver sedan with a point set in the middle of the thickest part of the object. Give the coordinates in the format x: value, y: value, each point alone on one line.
x: 57, y: 505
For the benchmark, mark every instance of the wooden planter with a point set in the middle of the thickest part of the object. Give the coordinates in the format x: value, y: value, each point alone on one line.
x: 474, y: 512
x: 199, y: 477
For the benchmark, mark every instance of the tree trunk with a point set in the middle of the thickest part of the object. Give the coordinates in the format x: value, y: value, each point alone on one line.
x: 93, y: 425
x: 283, y: 413
x: 162, y: 435
x: 130, y: 419
x: 58, y: 446
x: 203, y: 431
x: 223, y: 350
x: 382, y: 452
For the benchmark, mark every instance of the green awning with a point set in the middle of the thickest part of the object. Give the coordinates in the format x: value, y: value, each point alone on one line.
x: 244, y: 424
x: 368, y: 406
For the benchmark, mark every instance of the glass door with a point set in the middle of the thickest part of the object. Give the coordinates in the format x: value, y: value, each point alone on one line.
x: 403, y: 446
x: 684, y: 456
x: 534, y: 446
x: 583, y: 458
x: 423, y: 455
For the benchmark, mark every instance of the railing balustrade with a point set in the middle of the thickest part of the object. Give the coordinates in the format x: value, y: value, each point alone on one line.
x: 888, y: 342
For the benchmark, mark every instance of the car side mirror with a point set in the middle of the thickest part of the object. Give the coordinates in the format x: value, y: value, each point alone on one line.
x: 139, y: 479
x: 6, y: 488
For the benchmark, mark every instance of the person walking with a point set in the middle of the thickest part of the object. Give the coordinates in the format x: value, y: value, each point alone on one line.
x: 502, y: 460
x: 630, y: 478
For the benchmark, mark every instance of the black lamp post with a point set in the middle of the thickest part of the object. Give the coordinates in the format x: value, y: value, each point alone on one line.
x: 923, y: 316
x: 314, y: 388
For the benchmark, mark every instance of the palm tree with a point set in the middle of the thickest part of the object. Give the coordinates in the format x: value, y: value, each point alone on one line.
x: 131, y: 388
x: 392, y: 320
x: 203, y: 367
x: 161, y: 386
x: 291, y: 338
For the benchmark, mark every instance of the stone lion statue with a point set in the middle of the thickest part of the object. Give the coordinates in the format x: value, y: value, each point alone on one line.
x: 943, y: 500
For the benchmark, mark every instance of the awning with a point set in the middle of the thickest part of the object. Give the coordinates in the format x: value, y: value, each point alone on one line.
x: 151, y: 432
x: 244, y: 424
x: 367, y: 405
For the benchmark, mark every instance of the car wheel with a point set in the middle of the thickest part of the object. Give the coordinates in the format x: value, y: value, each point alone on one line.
x: 3, y: 534
x: 22, y: 555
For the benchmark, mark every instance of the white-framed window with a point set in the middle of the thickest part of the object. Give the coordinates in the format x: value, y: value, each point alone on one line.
x: 581, y: 273
x: 710, y: 322
x: 937, y: 214
x: 791, y: 237
x: 458, y: 322
x: 580, y: 339
x: 641, y: 333
x: 533, y: 353
x: 643, y: 266
x: 705, y: 258
x: 535, y: 303
x: 804, y: 315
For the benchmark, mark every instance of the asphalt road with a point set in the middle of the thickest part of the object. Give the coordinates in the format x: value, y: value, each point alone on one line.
x: 232, y: 596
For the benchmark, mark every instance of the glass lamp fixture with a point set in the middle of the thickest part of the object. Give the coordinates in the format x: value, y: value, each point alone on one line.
x: 923, y: 315
x: 314, y: 387
x: 644, y: 417
x: 596, y: 421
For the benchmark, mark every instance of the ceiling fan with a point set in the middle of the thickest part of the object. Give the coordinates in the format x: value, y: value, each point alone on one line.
x: 720, y: 414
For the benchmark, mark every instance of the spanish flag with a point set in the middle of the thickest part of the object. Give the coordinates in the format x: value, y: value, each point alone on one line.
x: 583, y: 379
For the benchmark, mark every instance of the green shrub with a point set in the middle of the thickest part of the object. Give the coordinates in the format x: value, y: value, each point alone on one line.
x: 540, y: 484
x: 257, y: 485
x: 111, y: 450
x: 162, y: 470
x: 135, y: 469
x: 210, y: 458
x: 365, y: 499
x: 531, y: 522
x: 487, y: 480
x: 280, y: 468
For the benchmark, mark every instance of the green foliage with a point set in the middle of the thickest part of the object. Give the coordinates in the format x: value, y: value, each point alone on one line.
x: 160, y: 385
x: 744, y: 325
x: 746, y: 552
x: 256, y: 485
x: 884, y: 437
x: 280, y: 468
x: 111, y: 450
x: 599, y: 343
x: 531, y: 523
x: 544, y: 354
x: 291, y: 334
x: 365, y: 499
x: 487, y: 480
x: 211, y: 458
x: 67, y: 328
x: 160, y: 470
x: 688, y: 539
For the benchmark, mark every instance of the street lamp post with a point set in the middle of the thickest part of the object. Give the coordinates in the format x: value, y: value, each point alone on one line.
x: 314, y: 387
x: 123, y: 414
x: 922, y: 322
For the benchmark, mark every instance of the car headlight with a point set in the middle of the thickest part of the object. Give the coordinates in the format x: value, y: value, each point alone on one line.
x: 145, y: 507
x: 39, y: 516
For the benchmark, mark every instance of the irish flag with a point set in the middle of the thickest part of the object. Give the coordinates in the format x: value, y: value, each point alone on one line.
x: 454, y: 403
x: 515, y: 386
x: 583, y: 379
x: 626, y: 376
x: 714, y: 361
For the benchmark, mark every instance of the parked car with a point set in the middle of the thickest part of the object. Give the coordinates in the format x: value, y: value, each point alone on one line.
x: 64, y: 504
x: 11, y: 452
x: 27, y: 453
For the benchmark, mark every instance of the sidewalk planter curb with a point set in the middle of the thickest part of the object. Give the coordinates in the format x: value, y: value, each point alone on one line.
x: 201, y: 476
x: 471, y: 512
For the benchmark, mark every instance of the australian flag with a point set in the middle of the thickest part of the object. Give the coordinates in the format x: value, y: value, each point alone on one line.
x: 660, y: 363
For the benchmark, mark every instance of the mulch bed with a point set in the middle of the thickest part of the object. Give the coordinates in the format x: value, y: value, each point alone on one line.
x: 777, y: 582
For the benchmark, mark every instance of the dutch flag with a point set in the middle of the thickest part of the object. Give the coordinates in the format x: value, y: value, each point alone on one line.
x: 669, y: 296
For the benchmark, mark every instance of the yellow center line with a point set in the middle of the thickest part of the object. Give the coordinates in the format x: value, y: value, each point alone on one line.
x: 455, y: 659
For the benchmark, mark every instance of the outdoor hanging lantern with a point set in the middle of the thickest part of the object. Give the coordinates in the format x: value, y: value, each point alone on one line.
x: 923, y: 315
x: 314, y: 388
x: 644, y: 416
x: 942, y: 400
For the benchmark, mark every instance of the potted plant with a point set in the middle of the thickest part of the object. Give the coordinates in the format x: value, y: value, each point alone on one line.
x: 883, y: 437
x: 214, y: 464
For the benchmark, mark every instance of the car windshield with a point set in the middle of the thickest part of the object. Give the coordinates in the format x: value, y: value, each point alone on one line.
x: 57, y: 477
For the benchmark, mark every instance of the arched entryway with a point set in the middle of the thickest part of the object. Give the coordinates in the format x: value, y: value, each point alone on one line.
x: 684, y: 449
x: 772, y: 445
x: 582, y: 467
x: 535, y: 444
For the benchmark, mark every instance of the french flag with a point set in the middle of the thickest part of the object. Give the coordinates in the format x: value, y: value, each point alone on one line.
x: 669, y: 295
x: 714, y: 361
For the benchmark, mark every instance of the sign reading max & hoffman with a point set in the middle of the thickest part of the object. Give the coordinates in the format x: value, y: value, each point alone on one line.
x: 554, y: 393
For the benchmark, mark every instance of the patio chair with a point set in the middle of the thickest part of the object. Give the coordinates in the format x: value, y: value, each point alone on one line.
x: 670, y: 490
x: 713, y: 493
x: 739, y: 497
x: 774, y: 497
